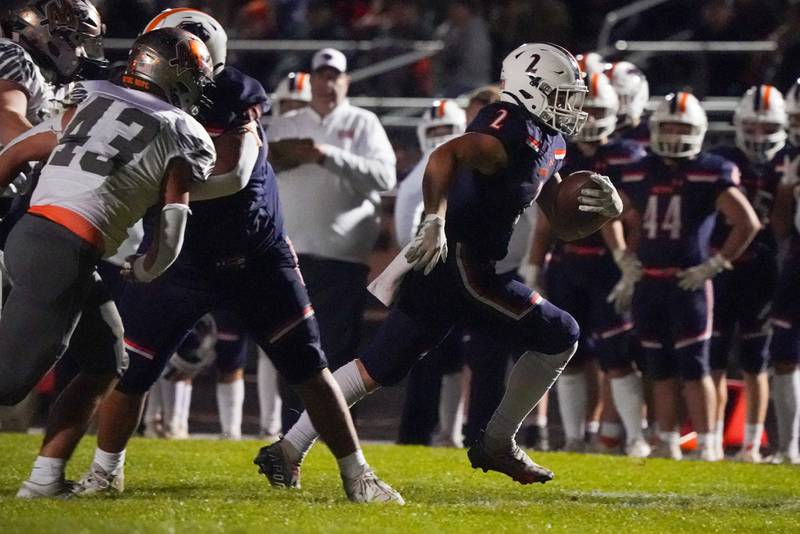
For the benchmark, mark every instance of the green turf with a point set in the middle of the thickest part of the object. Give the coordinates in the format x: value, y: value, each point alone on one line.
x: 210, y: 486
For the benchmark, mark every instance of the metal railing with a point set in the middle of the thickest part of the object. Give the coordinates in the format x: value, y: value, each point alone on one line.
x: 616, y: 16
x: 680, y: 47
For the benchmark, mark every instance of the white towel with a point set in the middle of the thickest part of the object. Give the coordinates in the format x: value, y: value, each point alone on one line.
x: 385, y: 285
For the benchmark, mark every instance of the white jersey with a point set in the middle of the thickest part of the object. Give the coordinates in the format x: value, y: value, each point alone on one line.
x: 17, y: 66
x: 112, y: 157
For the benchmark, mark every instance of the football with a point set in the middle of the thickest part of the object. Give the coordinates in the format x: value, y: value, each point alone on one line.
x: 567, y: 199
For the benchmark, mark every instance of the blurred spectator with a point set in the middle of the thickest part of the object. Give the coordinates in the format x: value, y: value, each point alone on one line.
x: 785, y: 68
x: 465, y: 62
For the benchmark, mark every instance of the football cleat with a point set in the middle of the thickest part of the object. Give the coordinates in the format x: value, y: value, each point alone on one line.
x: 670, y: 451
x: 749, y: 456
x: 369, y: 488
x: 272, y: 462
x: 781, y: 458
x: 60, y: 489
x: 97, y: 480
x: 512, y: 462
x: 638, y: 448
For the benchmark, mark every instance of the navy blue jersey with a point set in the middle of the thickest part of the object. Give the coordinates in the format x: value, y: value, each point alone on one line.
x: 609, y: 159
x: 640, y: 134
x: 759, y: 184
x: 677, y: 205
x: 482, y: 209
x: 251, y: 219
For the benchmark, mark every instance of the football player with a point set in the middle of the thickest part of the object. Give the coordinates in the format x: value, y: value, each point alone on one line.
x: 672, y: 198
x: 785, y: 316
x: 475, y: 187
x: 580, y: 276
x: 743, y: 296
x: 633, y: 90
x: 293, y: 92
x: 121, y: 151
x: 236, y: 257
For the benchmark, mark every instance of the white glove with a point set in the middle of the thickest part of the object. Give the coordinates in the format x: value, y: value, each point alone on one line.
x: 622, y: 293
x: 531, y: 276
x: 605, y: 200
x: 695, y: 277
x: 791, y: 165
x: 430, y: 244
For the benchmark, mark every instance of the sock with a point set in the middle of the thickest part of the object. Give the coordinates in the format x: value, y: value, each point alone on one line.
x: 152, y: 412
x: 592, y: 427
x: 786, y: 396
x: 269, y: 400
x: 302, y: 435
x: 645, y: 424
x: 47, y: 470
x: 540, y: 421
x: 111, y: 462
x: 353, y: 465
x: 752, y: 436
x: 451, y: 409
x: 181, y: 406
x: 706, y: 440
x: 230, y: 399
x: 670, y: 438
x: 531, y: 377
x: 572, y: 399
x: 719, y: 435
x: 628, y: 400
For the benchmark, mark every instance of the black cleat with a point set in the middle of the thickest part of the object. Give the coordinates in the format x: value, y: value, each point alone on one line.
x: 272, y: 462
x: 513, y: 462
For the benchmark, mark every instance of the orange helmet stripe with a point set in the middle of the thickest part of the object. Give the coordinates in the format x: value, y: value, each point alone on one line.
x: 682, y: 102
x: 161, y: 16
x: 767, y: 92
x: 440, y: 109
x: 300, y: 80
x: 595, y: 81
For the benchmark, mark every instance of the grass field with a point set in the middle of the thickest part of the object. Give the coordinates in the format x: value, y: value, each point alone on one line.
x: 212, y: 486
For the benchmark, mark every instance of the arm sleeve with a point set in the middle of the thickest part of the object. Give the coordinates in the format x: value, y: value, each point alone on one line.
x: 373, y: 168
x: 168, y: 242
x: 233, y: 181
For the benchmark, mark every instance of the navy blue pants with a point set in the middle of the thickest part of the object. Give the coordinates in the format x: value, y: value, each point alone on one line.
x: 785, y: 345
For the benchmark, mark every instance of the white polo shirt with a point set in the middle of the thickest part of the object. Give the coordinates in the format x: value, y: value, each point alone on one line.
x: 332, y: 210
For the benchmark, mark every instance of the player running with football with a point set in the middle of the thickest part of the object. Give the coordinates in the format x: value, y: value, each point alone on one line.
x: 475, y: 186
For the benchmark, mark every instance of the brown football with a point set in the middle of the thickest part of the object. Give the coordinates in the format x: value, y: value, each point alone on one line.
x: 567, y: 200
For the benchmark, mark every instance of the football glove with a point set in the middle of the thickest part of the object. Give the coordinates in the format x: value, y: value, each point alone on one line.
x: 791, y: 166
x: 694, y: 278
x: 622, y: 293
x: 430, y: 244
x: 603, y: 200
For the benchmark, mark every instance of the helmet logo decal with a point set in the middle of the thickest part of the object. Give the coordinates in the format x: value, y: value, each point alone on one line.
x: 60, y: 16
x: 534, y: 60
x: 189, y: 56
x: 196, y: 28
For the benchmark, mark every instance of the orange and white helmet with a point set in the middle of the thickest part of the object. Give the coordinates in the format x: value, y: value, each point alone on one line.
x: 601, y: 105
x: 760, y: 121
x: 545, y: 80
x: 441, y: 122
x: 632, y: 89
x: 203, y: 25
x: 295, y: 87
x: 591, y: 62
x: 678, y: 108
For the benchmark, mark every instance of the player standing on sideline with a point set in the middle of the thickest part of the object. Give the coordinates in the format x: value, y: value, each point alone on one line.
x: 582, y: 274
x: 672, y: 198
x: 743, y: 296
x: 784, y: 348
x: 118, y: 153
x: 236, y: 257
x: 633, y: 91
x: 480, y: 182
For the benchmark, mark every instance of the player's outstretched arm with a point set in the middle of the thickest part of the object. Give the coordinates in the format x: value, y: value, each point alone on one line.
x: 237, y: 154
x: 170, y: 228
x: 13, y: 107
x: 471, y: 151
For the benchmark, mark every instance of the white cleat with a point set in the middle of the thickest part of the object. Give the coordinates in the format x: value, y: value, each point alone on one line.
x: 60, y: 489
x: 782, y: 458
x: 369, y: 488
x: 749, y: 456
x: 670, y: 451
x: 638, y: 448
x: 98, y: 481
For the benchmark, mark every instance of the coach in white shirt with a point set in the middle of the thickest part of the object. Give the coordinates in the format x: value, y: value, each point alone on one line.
x: 333, y: 160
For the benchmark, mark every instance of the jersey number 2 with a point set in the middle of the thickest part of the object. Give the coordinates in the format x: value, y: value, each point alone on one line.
x: 497, y: 123
x: 77, y: 134
x: 671, y: 221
